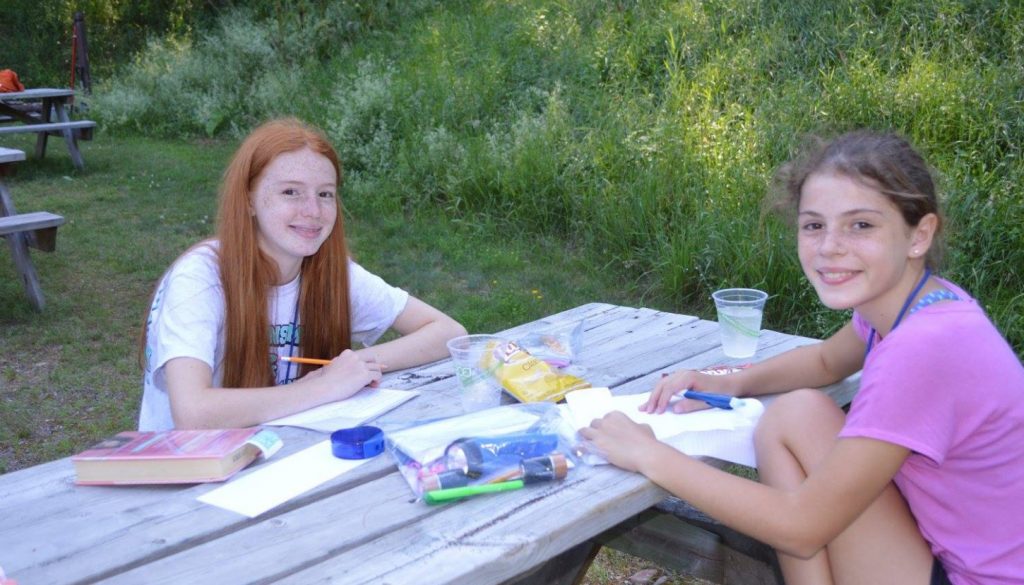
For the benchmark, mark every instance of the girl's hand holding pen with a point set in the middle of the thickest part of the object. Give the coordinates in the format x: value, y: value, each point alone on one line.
x: 676, y: 383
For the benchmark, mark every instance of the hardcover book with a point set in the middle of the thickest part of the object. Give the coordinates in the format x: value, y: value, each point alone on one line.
x: 174, y: 456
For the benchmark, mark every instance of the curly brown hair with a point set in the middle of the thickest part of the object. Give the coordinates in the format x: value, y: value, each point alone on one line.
x: 883, y: 161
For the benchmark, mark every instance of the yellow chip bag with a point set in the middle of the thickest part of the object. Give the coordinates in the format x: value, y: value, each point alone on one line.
x: 526, y: 377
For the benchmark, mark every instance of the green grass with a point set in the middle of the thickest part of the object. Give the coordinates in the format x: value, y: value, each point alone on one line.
x: 643, y: 132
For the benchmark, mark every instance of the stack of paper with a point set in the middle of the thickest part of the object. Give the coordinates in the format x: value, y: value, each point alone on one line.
x: 367, y: 404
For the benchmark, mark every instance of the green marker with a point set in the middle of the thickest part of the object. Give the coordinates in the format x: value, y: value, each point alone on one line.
x: 457, y: 493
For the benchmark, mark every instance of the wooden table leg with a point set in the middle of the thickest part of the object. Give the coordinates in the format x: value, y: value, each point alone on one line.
x: 44, y: 117
x: 568, y: 568
x: 19, y: 250
x: 61, y: 109
x: 705, y: 550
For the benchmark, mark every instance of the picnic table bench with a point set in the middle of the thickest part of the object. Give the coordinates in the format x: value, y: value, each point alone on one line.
x: 365, y: 526
x: 22, y: 231
x: 44, y: 111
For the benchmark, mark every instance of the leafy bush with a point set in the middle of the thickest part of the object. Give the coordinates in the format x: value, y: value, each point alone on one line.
x: 646, y: 130
x: 37, y: 35
x: 254, y: 61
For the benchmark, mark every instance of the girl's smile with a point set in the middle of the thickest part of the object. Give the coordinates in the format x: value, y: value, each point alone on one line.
x: 295, y: 206
x: 856, y: 249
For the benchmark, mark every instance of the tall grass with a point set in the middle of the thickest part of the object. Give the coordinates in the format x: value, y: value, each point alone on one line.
x: 645, y: 131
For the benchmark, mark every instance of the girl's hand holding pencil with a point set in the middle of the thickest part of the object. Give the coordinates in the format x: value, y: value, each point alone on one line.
x: 348, y: 368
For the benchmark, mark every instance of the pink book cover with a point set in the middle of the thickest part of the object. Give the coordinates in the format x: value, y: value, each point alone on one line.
x: 173, y: 444
x: 175, y: 456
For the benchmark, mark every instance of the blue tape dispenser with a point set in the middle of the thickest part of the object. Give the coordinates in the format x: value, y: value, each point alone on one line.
x: 357, y: 442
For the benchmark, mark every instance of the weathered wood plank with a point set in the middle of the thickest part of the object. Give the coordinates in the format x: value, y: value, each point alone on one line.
x: 23, y: 222
x: 36, y: 93
x: 47, y: 127
x: 390, y: 539
x: 492, y: 539
x: 11, y: 155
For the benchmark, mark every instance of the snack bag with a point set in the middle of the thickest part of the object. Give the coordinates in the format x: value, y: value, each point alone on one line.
x: 527, y: 377
x: 557, y: 347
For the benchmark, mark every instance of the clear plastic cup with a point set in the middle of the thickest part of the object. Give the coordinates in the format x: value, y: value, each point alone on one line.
x: 479, y: 388
x: 739, y: 319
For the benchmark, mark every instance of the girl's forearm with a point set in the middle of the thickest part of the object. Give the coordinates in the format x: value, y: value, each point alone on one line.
x: 802, y: 367
x: 243, y: 407
x: 426, y: 344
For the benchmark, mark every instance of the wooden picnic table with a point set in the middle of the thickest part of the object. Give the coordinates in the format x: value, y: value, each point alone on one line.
x: 22, y: 231
x: 44, y: 111
x: 365, y: 525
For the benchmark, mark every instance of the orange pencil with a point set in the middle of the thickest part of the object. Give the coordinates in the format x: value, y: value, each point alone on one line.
x: 313, y: 361
x: 302, y: 360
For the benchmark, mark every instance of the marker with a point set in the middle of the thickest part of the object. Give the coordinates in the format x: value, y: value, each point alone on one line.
x: 716, y: 400
x: 722, y: 401
x: 457, y: 493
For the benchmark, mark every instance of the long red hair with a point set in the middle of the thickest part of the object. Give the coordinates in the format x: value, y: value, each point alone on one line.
x: 247, y: 274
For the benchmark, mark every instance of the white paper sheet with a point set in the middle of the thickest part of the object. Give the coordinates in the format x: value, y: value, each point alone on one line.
x: 367, y: 404
x: 723, y: 434
x: 276, y: 483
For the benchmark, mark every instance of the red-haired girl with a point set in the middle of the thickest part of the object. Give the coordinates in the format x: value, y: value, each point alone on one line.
x: 277, y: 281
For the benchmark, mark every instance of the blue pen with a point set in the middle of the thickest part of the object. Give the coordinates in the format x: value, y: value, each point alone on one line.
x: 716, y: 400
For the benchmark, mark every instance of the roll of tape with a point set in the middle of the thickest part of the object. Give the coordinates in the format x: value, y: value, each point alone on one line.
x: 357, y: 443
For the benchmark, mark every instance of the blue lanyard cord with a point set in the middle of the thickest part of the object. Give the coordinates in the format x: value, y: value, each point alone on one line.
x: 903, y: 311
x: 292, y: 344
x: 292, y: 341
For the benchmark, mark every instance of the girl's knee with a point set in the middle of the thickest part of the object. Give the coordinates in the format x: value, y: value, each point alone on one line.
x: 802, y: 411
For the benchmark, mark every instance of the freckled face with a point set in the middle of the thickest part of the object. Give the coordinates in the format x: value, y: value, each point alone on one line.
x: 854, y: 245
x: 295, y: 206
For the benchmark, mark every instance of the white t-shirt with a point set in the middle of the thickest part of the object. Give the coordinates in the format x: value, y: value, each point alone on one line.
x: 186, y: 319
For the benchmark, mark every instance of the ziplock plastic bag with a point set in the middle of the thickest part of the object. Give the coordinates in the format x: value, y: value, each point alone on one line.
x: 526, y: 377
x: 530, y: 442
x: 558, y: 347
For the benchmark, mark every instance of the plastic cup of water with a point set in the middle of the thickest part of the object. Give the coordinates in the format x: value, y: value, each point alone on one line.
x: 739, y: 319
x: 479, y: 389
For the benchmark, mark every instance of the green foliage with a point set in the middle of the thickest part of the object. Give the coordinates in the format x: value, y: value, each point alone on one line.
x: 36, y: 34
x: 645, y: 131
x: 254, y: 61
